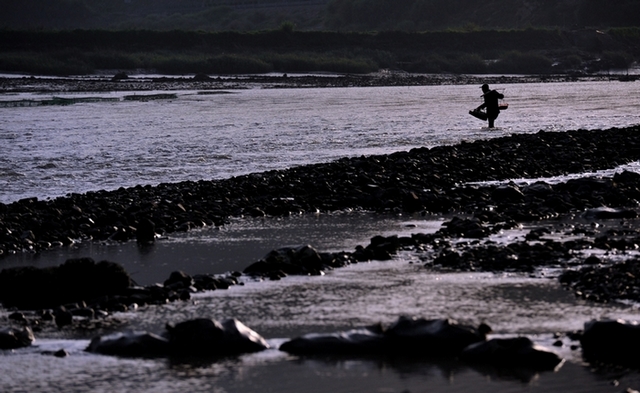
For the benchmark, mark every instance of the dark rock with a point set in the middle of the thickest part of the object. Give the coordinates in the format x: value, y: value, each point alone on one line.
x: 537, y: 233
x: 17, y: 316
x: 120, y: 76
x: 85, y: 312
x: 605, y: 213
x: 611, y: 341
x: 518, y: 256
x: 407, y: 337
x: 197, y: 337
x: 62, y: 318
x: 146, y: 232
x: 592, y: 260
x: 135, y: 344
x: 367, y: 340
x: 47, y: 315
x: 179, y: 277
x: 74, y: 280
x: 429, y: 337
x: 303, y: 260
x: 12, y: 338
x: 604, y: 283
x: 538, y: 189
x: 211, y: 338
x: 512, y: 352
x: 458, y: 227
x: 201, y: 77
x: 507, y: 193
x: 256, y: 212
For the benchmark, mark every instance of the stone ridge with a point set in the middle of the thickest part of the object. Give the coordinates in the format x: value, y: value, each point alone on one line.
x: 421, y: 180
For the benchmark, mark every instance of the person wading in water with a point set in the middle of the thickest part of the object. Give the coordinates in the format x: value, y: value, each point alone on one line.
x: 491, y: 98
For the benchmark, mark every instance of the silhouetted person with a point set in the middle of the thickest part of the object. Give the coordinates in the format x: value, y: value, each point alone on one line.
x: 491, y: 98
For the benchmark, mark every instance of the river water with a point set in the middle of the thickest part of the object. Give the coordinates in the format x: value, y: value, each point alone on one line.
x: 107, y: 142
x: 48, y: 151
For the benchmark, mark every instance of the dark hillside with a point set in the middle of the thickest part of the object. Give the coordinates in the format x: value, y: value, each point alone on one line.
x: 421, y: 15
x: 342, y: 15
x: 284, y: 40
x: 212, y: 15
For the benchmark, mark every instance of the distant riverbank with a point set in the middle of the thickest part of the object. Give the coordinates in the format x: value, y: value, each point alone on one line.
x: 486, y: 52
x: 141, y: 82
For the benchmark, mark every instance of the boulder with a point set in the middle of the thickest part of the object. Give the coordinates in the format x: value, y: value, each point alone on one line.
x: 79, y: 279
x: 507, y: 193
x: 605, y: 213
x: 538, y: 189
x: 178, y: 279
x: 146, y: 232
x: 120, y: 76
x: 12, y: 338
x: 196, y: 337
x: 429, y: 337
x: 201, y: 77
x: 62, y: 317
x: 611, y: 341
x: 471, y: 228
x: 200, y: 335
x: 366, y: 340
x: 405, y: 337
x: 304, y: 260
x: 205, y: 336
x: 134, y: 344
x: 517, y: 352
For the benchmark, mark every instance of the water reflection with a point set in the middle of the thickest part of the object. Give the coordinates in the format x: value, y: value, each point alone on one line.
x: 234, y: 246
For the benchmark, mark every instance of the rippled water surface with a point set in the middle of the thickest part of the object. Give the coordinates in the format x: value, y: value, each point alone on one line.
x: 48, y: 151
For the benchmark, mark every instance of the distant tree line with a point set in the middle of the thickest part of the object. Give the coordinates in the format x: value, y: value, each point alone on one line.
x: 538, y: 51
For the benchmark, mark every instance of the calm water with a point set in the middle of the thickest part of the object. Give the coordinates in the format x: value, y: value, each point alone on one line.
x: 49, y: 151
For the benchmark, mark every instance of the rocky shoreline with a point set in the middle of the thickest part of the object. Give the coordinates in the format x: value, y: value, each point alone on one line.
x: 422, y: 180
x: 435, y: 180
x: 201, y: 82
x: 439, y: 180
